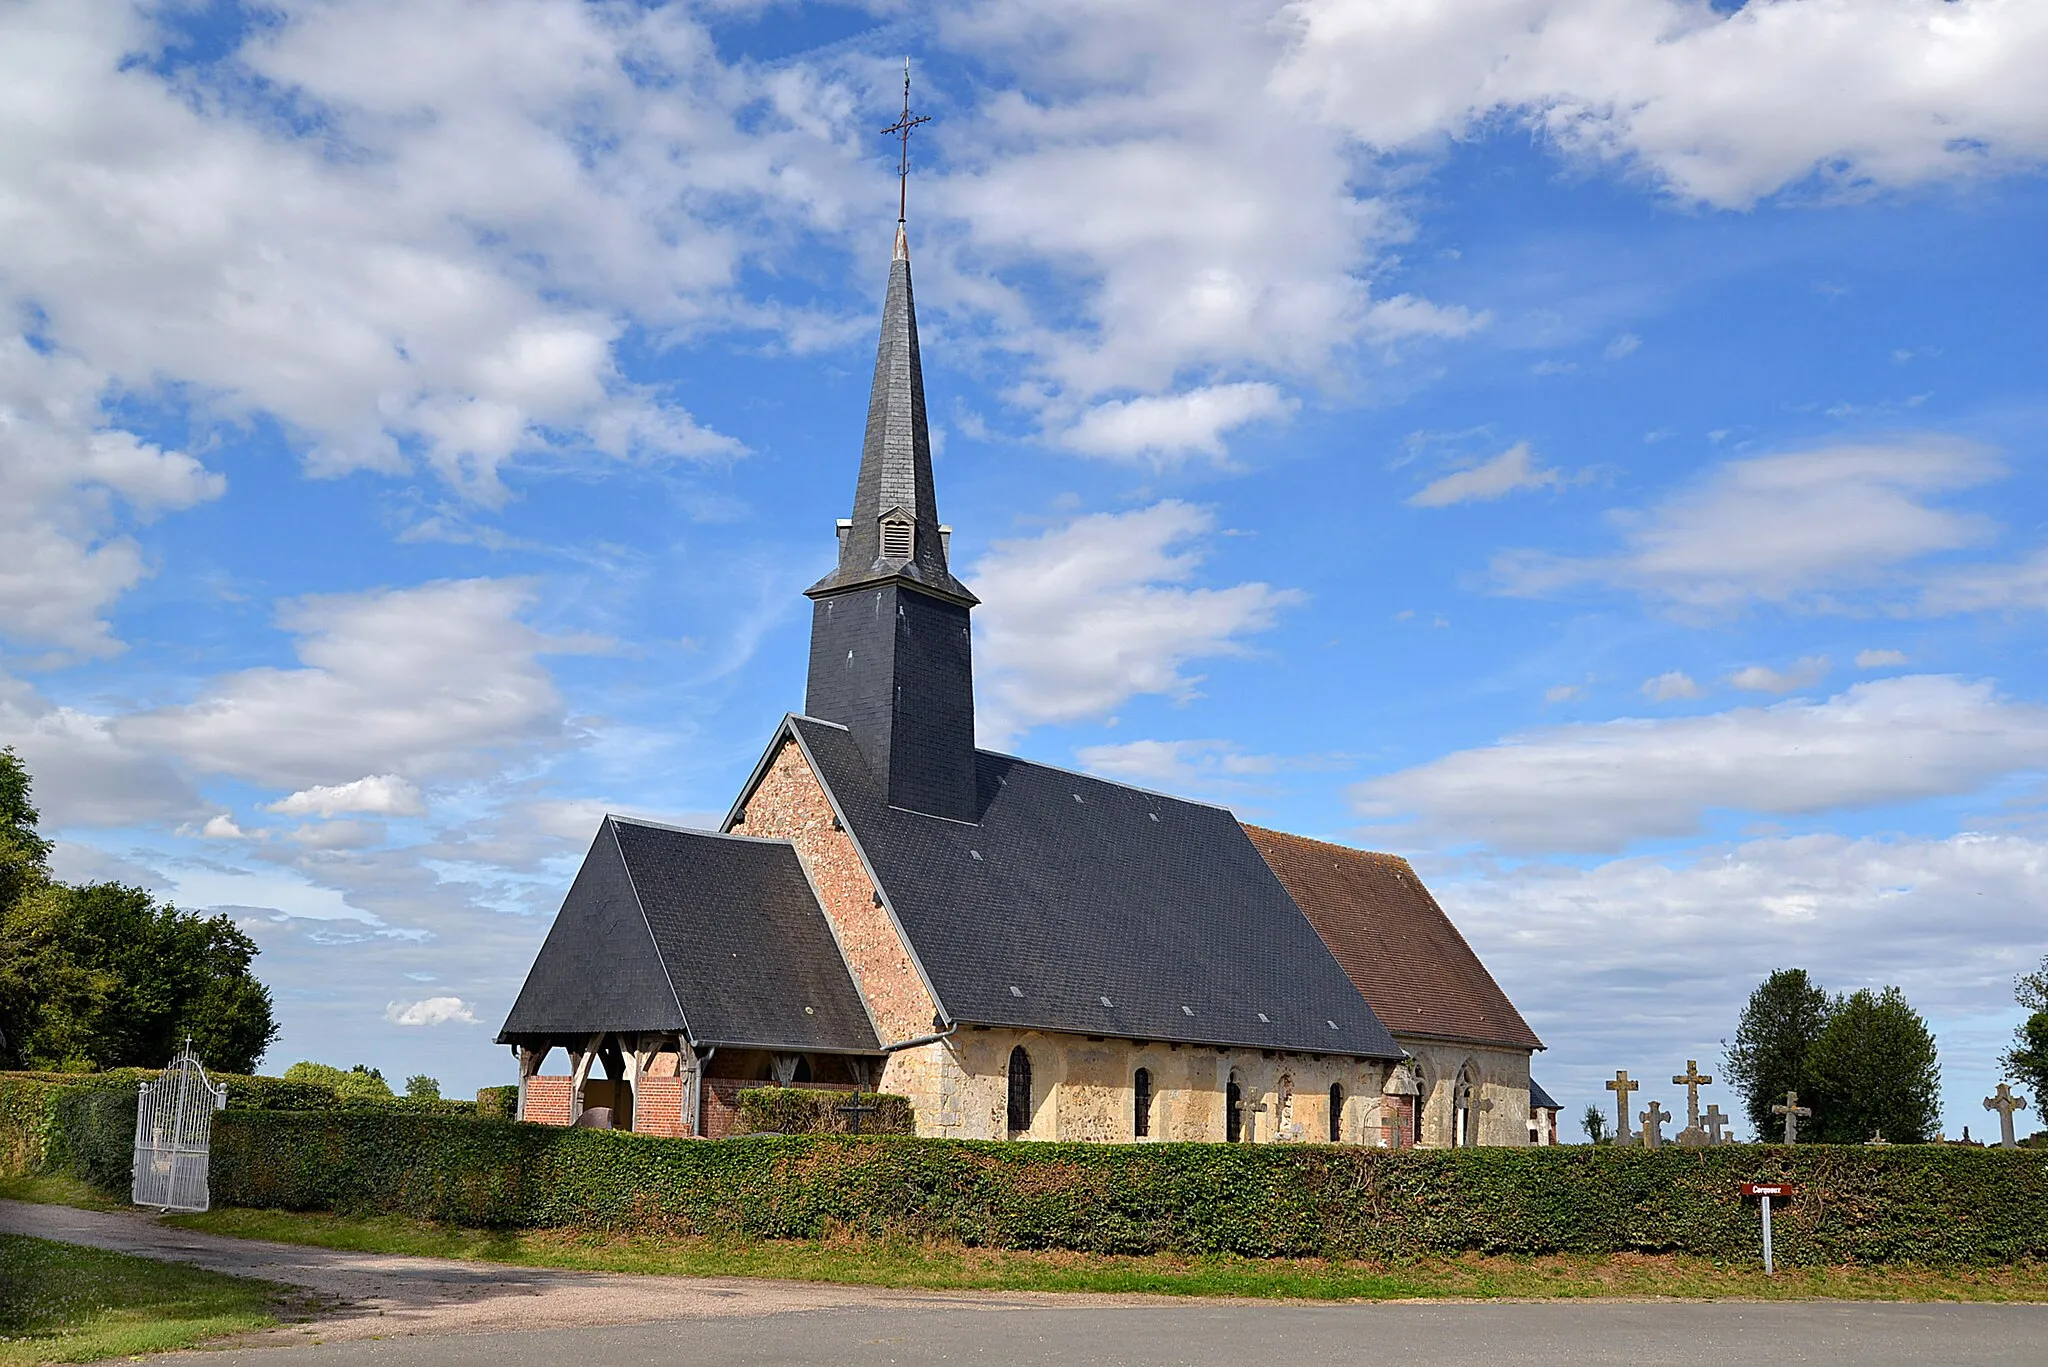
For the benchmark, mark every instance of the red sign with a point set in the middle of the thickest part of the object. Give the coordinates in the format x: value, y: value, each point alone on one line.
x: 1769, y: 1189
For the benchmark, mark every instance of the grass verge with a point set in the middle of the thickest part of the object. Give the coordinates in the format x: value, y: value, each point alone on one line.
x: 955, y: 1268
x: 58, y: 1191
x: 63, y: 1303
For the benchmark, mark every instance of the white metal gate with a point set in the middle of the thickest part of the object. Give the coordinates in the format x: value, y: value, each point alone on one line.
x: 173, y: 1126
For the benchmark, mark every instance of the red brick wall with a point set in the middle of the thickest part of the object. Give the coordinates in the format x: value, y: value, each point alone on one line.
x: 790, y: 804
x: 1399, y: 1123
x: 658, y: 1107
x: 548, y: 1100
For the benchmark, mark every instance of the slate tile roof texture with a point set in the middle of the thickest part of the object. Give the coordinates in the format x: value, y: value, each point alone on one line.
x: 1395, y: 942
x: 1088, y: 907
x: 1540, y: 1099
x: 741, y: 951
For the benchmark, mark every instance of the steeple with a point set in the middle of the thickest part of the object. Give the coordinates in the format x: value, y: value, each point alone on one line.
x: 895, y: 531
x: 891, y: 654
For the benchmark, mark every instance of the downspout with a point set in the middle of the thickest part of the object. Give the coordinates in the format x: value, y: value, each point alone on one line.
x: 918, y: 1043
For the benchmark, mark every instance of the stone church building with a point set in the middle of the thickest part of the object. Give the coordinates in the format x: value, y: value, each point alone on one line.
x: 1023, y: 951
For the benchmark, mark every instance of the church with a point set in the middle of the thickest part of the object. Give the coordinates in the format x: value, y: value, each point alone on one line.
x: 1022, y: 951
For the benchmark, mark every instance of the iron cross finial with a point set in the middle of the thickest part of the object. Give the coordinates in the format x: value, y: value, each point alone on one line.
x: 901, y: 131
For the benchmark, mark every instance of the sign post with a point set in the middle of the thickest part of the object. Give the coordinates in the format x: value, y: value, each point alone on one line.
x: 1765, y: 1191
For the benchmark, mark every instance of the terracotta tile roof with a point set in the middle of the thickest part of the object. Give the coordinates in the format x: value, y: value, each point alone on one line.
x: 1395, y: 942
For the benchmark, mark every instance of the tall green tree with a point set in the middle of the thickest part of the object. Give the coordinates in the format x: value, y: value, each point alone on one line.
x: 2027, y: 1061
x: 1875, y: 1071
x: 1777, y: 1032
x: 103, y: 976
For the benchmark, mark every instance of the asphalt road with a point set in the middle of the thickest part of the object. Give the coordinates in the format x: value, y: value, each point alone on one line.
x: 993, y: 1332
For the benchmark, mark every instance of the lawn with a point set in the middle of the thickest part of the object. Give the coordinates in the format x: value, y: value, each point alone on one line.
x: 63, y: 1303
x: 955, y: 1268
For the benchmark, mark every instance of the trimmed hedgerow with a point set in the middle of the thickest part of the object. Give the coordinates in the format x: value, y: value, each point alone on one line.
x: 800, y: 1110
x: 1924, y: 1204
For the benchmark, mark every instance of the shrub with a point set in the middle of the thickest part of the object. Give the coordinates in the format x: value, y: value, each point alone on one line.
x: 1928, y: 1204
x: 497, y: 1103
x: 799, y: 1110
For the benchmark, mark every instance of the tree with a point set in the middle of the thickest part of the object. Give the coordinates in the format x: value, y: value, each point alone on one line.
x: 1875, y: 1072
x: 360, y: 1083
x: 102, y: 976
x: 2027, y: 1061
x: 420, y: 1087
x: 1785, y: 1016
x: 1594, y: 1123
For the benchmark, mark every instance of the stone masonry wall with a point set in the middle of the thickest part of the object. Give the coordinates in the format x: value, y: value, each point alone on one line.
x: 1503, y: 1092
x: 790, y: 804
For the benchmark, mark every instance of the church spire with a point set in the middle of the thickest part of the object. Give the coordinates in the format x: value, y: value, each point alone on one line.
x: 891, y: 648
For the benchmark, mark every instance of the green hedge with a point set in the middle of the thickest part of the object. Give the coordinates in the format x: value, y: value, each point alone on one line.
x: 1924, y: 1204
x: 799, y: 1110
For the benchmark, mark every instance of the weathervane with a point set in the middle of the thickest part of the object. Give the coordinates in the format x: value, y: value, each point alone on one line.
x: 901, y: 131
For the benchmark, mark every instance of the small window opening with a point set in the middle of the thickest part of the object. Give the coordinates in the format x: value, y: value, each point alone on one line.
x: 1336, y: 1112
x: 899, y: 539
x: 1141, y: 1103
x: 1233, y: 1111
x: 1020, y: 1091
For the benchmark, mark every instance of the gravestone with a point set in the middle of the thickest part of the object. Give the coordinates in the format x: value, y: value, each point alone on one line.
x: 1621, y: 1087
x: 1653, y: 1126
x: 1715, y: 1123
x: 1793, y: 1113
x: 2005, y: 1103
x: 1692, y: 1136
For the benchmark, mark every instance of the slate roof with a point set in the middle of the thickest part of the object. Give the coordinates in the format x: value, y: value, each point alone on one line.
x: 1085, y: 906
x: 1540, y: 1099
x: 719, y: 937
x: 1397, y: 944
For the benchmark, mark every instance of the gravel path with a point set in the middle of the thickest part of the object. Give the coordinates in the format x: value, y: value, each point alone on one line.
x: 376, y: 1295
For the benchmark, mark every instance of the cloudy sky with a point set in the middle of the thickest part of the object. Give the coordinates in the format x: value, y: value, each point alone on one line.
x: 1590, y: 446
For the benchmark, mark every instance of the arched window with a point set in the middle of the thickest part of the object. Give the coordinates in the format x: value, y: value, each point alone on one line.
x: 1020, y: 1090
x: 1141, y: 1103
x: 1283, y: 1107
x: 1418, y: 1098
x: 1233, y: 1110
x: 1464, y: 1133
x: 1336, y: 1112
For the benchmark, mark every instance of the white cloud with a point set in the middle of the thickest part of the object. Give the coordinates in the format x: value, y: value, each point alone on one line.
x: 439, y: 680
x: 1562, y: 692
x: 1513, y: 469
x: 1169, y: 428
x: 1088, y: 615
x: 1601, y: 786
x: 1626, y: 345
x: 1795, y: 528
x: 87, y: 775
x: 1670, y: 948
x: 1802, y: 673
x: 2020, y: 587
x: 1879, y: 659
x: 1671, y: 685
x: 221, y: 827
x: 431, y: 1011
x: 378, y: 794
x: 1719, y: 107
x: 1177, y: 766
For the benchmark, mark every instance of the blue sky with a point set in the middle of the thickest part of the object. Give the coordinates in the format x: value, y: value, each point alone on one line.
x: 1544, y: 439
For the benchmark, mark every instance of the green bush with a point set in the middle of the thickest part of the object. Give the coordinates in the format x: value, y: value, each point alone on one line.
x: 95, y: 1133
x: 1928, y: 1204
x: 497, y: 1103
x: 798, y: 1110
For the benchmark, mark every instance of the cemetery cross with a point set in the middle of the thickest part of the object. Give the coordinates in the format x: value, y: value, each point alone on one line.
x: 1653, y: 1125
x: 2005, y: 1103
x: 1715, y: 1123
x: 1692, y: 1136
x: 1793, y: 1113
x: 1621, y: 1087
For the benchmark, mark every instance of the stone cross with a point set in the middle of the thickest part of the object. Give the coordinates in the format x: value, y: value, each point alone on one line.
x: 1692, y: 1136
x: 1793, y: 1113
x: 2005, y: 1103
x: 1715, y: 1123
x: 1621, y: 1087
x: 1653, y: 1125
